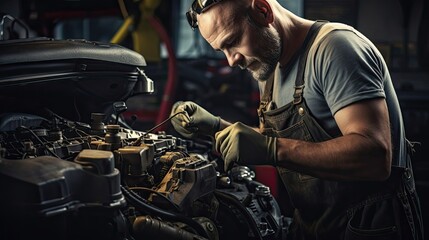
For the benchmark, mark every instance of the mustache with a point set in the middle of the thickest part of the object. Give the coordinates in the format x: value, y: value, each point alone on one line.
x: 244, y: 64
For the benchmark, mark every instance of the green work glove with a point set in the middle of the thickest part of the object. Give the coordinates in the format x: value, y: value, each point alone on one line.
x: 242, y: 144
x: 194, y: 120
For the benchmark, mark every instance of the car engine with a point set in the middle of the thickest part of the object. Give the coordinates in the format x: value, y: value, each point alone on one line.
x: 63, y: 179
x: 69, y: 172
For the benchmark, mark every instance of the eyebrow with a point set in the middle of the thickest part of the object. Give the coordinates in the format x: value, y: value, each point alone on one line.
x: 227, y: 41
x: 223, y: 43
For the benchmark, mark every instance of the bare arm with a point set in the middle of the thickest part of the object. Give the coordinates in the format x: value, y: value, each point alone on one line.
x: 362, y: 153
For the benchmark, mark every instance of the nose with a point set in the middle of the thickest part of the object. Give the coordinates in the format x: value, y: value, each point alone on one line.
x: 234, y: 58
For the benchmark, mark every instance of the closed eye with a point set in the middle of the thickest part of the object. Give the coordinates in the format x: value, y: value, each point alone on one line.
x: 233, y: 43
x: 229, y: 43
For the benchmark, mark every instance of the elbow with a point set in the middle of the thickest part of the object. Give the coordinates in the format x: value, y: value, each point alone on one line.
x: 384, y: 160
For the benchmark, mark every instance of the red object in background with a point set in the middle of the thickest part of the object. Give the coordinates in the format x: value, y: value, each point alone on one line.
x: 268, y: 175
x: 169, y: 94
x: 142, y: 115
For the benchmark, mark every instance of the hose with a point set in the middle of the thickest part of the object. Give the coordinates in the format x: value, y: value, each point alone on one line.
x: 145, y: 227
x: 141, y: 205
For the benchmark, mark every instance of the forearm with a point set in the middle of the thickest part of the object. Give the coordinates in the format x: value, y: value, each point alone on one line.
x: 350, y: 157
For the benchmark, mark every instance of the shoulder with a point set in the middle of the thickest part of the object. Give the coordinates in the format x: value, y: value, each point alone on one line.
x: 346, y: 67
x: 342, y: 45
x: 343, y: 40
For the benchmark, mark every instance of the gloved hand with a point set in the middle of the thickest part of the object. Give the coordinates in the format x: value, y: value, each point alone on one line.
x: 196, y: 121
x: 242, y: 144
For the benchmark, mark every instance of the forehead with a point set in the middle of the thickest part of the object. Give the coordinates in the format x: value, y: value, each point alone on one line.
x: 216, y: 23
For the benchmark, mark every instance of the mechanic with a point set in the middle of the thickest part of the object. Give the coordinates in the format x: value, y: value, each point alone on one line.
x: 330, y: 121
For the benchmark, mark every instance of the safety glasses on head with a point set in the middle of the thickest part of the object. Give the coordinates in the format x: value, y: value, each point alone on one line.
x: 197, y: 7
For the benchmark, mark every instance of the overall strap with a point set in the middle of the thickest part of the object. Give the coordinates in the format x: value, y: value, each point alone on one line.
x: 299, y: 81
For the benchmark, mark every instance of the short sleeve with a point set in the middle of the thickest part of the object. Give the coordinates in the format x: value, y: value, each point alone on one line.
x: 349, y: 69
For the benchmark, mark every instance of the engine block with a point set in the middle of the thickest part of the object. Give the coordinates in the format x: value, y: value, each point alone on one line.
x: 64, y: 179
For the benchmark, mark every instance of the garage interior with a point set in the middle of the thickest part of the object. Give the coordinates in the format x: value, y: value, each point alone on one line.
x: 183, y: 67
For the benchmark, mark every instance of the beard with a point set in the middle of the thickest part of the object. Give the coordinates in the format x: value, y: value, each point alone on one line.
x: 269, y: 55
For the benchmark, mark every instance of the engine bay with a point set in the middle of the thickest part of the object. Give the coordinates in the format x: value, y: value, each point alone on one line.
x: 70, y: 172
x: 96, y: 181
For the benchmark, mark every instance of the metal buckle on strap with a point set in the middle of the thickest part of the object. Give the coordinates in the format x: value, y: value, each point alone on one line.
x: 262, y: 108
x: 297, y: 96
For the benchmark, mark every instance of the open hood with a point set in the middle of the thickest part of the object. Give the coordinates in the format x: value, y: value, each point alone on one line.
x: 71, y: 78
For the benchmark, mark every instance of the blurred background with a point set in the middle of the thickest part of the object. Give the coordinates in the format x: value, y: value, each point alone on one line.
x: 184, y: 67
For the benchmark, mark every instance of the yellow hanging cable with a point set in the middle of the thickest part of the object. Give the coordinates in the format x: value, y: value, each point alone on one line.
x: 123, y: 30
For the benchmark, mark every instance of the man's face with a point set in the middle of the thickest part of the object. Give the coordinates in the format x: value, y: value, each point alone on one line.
x: 246, y: 45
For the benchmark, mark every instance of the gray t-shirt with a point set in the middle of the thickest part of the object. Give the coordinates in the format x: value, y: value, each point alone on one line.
x: 342, y: 67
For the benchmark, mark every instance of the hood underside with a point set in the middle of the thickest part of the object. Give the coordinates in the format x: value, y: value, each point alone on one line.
x: 69, y: 77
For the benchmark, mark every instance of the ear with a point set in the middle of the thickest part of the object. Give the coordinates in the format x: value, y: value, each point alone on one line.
x: 261, y: 13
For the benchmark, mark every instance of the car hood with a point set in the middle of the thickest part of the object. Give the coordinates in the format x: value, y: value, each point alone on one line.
x: 71, y: 77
